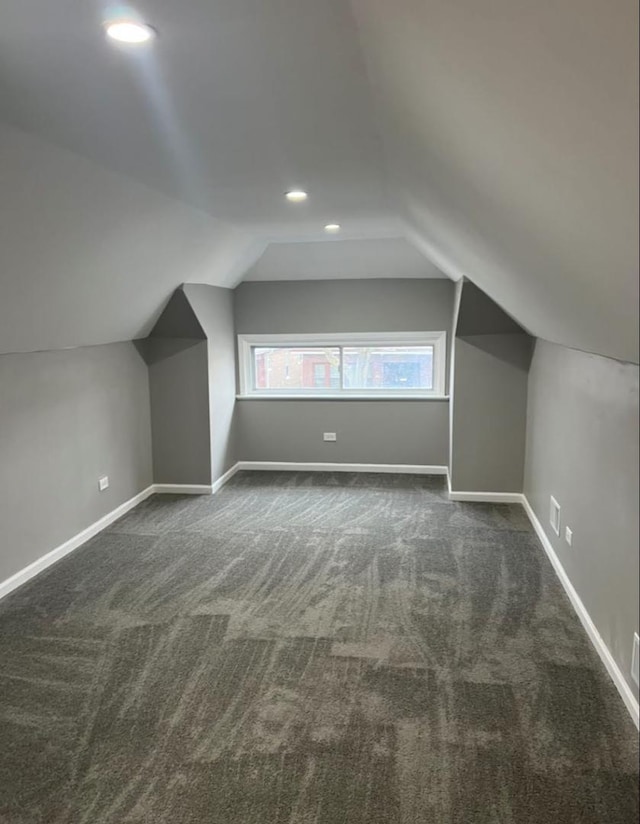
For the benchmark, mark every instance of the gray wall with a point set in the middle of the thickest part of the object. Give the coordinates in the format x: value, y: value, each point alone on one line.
x: 192, y: 376
x: 408, y: 432
x: 490, y: 364
x: 179, y: 389
x: 582, y: 448
x: 489, y: 413
x: 213, y: 307
x: 478, y: 314
x: 66, y: 418
x: 403, y: 305
x: 382, y: 432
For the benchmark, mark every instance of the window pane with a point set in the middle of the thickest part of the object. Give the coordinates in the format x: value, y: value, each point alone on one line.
x: 296, y: 368
x: 388, y: 367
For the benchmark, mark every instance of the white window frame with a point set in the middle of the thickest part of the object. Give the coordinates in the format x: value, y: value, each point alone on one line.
x: 436, y: 339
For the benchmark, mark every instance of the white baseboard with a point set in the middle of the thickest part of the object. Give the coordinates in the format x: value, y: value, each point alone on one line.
x: 294, y: 466
x: 196, y: 489
x: 59, y: 552
x: 78, y: 540
x: 487, y: 497
x: 222, y: 480
x: 484, y: 497
x: 615, y: 673
x: 81, y: 538
x: 612, y: 667
x: 183, y: 489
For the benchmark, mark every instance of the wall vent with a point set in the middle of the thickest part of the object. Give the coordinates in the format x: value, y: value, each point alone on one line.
x: 554, y: 515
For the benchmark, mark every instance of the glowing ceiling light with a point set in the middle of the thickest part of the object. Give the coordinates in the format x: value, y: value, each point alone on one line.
x: 332, y: 228
x: 129, y: 31
x: 296, y: 196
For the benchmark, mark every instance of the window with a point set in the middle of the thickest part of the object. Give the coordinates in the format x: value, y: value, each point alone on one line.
x: 343, y: 365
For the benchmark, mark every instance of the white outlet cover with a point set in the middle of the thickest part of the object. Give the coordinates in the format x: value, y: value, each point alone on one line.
x: 554, y: 515
x: 568, y: 535
x: 329, y: 436
x: 635, y: 659
x: 103, y: 483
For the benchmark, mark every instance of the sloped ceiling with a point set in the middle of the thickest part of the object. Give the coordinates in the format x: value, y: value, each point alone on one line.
x: 499, y: 137
x: 237, y: 102
x: 88, y: 256
x: 511, y: 129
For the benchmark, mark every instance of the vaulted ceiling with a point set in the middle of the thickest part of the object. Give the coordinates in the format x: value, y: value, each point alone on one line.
x: 496, y: 139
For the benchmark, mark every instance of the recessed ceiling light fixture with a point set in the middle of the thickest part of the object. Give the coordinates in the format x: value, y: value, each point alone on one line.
x: 332, y: 228
x: 129, y: 31
x: 296, y: 196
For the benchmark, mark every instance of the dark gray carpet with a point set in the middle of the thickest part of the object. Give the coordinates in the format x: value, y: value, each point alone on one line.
x: 308, y: 649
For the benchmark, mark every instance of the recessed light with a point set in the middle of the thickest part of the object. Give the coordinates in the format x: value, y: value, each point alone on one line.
x: 332, y: 228
x: 129, y: 31
x: 296, y: 196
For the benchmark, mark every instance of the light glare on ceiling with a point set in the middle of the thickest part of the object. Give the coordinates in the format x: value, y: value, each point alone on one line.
x: 129, y: 31
x: 296, y: 196
x: 332, y: 228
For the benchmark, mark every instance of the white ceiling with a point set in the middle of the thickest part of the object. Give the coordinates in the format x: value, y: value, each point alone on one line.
x: 235, y: 103
x: 374, y: 258
x: 88, y: 256
x: 511, y: 132
x: 499, y: 137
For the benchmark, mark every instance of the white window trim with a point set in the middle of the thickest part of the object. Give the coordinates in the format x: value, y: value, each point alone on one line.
x: 436, y: 339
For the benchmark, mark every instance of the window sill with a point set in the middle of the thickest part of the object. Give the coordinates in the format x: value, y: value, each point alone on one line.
x: 342, y: 397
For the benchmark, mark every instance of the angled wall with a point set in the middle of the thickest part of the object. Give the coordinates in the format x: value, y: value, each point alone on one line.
x: 179, y: 392
x: 488, y: 397
x: 213, y: 306
x: 190, y: 354
x: 176, y: 354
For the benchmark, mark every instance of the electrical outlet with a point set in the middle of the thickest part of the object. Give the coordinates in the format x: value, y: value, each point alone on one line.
x: 568, y: 535
x: 329, y: 436
x: 554, y: 515
x: 635, y: 659
x: 103, y: 483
